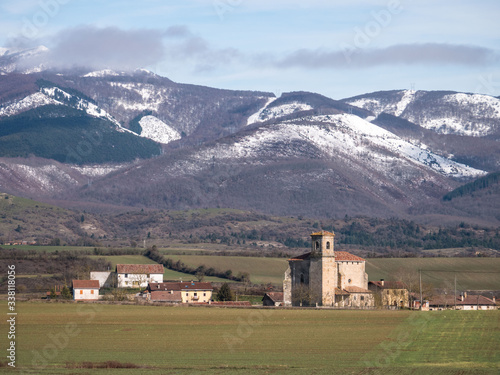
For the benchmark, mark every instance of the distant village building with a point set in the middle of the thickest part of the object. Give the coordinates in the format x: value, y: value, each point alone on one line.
x: 324, y: 277
x: 107, y: 279
x: 462, y: 302
x: 138, y: 275
x: 183, y: 292
x: 392, y: 293
x: 272, y: 299
x: 85, y: 290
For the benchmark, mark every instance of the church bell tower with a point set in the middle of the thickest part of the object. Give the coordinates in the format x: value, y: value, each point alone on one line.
x: 323, y: 269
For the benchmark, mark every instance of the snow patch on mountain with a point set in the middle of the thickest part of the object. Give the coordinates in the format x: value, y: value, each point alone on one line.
x: 155, y: 129
x: 267, y: 113
x: 408, y: 97
x: 102, y: 73
x: 145, y: 96
x: 35, y: 100
x: 471, y: 121
x: 83, y: 105
x: 97, y: 170
x: 256, y: 116
x: 345, y: 136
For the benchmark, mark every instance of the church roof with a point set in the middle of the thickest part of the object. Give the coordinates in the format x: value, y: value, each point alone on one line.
x: 356, y: 289
x: 340, y: 256
x: 322, y: 233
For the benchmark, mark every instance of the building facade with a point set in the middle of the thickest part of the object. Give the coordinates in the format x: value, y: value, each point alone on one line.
x: 188, y: 292
x: 323, y: 277
x: 85, y: 290
x: 138, y: 275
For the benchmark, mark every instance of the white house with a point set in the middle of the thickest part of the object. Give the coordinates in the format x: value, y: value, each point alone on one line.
x: 85, y: 290
x: 138, y: 275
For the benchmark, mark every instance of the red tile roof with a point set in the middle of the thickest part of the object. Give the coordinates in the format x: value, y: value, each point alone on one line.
x: 356, y: 289
x: 139, y: 268
x: 343, y: 256
x: 472, y: 300
x: 388, y: 284
x: 163, y: 296
x: 340, y: 256
x: 340, y: 292
x: 323, y: 233
x: 86, y: 284
x: 188, y: 285
x: 275, y: 296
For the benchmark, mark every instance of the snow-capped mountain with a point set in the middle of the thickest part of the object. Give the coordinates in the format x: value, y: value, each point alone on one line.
x: 135, y: 138
x: 443, y: 112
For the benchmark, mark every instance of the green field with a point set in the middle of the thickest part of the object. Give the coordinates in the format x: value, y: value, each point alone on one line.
x: 168, y: 275
x: 51, y: 338
x: 261, y: 270
x: 471, y: 273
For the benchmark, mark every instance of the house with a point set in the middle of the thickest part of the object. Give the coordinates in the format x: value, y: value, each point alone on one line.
x: 85, y: 290
x: 272, y: 299
x: 107, y: 279
x: 190, y: 291
x: 393, y: 293
x: 171, y: 296
x: 462, y: 302
x: 138, y: 275
x: 322, y: 277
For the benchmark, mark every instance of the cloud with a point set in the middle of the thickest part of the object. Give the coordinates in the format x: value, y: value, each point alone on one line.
x: 401, y: 54
x: 99, y: 48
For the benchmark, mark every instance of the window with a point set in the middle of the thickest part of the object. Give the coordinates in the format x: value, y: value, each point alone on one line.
x: 187, y: 294
x: 126, y: 275
x: 317, y: 245
x: 362, y: 298
x: 328, y: 245
x: 204, y: 294
x: 195, y: 294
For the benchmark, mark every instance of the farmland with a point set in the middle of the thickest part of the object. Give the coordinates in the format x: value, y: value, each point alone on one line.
x: 55, y: 337
x: 140, y: 259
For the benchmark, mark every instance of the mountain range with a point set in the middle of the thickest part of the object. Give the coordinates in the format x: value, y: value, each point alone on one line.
x: 105, y: 139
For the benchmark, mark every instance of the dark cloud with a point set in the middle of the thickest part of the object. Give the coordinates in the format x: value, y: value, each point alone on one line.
x: 406, y: 54
x: 99, y: 48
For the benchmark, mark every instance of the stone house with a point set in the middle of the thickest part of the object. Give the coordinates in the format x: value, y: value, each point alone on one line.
x: 323, y: 277
x: 272, y: 299
x: 393, y: 293
x: 138, y: 275
x: 85, y: 290
x: 189, y: 291
x: 462, y: 302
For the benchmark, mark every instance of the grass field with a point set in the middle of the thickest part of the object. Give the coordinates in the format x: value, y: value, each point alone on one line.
x: 261, y: 270
x: 472, y: 273
x: 168, y: 275
x: 192, y: 340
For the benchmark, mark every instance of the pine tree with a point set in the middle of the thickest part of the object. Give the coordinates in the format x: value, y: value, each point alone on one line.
x: 225, y: 293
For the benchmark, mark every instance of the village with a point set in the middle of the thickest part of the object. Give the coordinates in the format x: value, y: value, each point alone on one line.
x: 321, y: 278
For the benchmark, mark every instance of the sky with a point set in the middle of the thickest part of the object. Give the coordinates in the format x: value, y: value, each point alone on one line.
x: 336, y: 48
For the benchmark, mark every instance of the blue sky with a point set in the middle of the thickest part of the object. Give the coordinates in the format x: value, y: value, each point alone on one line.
x: 336, y: 48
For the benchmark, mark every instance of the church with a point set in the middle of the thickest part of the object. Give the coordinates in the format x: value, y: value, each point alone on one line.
x: 325, y: 277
